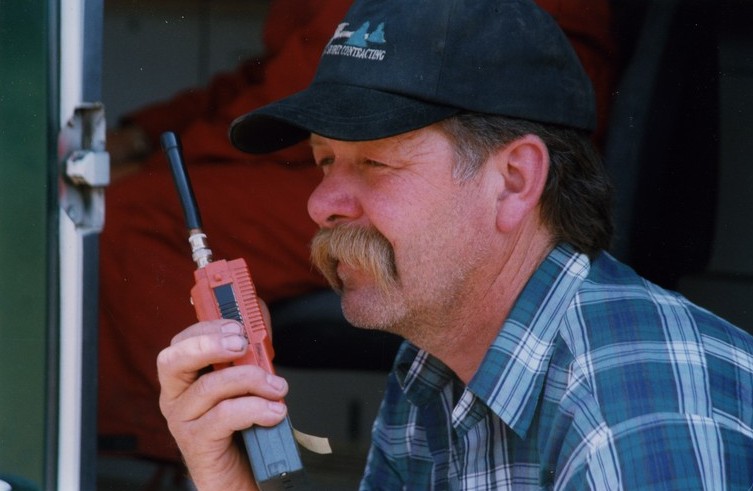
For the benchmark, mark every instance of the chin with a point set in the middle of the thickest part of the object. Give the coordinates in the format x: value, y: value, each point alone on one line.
x: 372, y: 310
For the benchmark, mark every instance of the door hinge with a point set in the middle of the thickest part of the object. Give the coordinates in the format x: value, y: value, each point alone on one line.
x: 85, y: 167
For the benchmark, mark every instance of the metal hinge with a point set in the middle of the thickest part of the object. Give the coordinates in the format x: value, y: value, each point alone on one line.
x: 85, y: 167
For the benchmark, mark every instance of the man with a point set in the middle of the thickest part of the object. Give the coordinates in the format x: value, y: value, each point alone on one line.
x: 462, y: 207
x: 267, y: 194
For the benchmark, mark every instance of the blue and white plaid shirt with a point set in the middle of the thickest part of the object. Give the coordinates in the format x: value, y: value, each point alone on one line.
x: 597, y: 380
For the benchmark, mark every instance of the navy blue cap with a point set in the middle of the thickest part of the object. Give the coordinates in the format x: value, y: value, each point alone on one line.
x: 394, y: 66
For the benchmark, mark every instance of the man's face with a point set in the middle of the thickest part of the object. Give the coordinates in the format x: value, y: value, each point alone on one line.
x: 421, y: 236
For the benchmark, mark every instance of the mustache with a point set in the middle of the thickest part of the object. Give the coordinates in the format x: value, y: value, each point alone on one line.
x: 360, y: 248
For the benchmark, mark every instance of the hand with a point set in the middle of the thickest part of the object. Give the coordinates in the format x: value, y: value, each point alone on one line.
x: 203, y: 411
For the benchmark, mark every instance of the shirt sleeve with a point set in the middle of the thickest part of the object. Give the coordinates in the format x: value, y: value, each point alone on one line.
x: 662, y: 451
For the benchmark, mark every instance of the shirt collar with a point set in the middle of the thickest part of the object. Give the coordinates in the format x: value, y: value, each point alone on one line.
x: 511, y: 376
x: 420, y: 374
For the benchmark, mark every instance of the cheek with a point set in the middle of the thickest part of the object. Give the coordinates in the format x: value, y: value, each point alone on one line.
x: 455, y: 232
x: 425, y: 244
x: 432, y: 224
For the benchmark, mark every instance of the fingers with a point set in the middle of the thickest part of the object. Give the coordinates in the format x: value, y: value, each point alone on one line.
x: 220, y: 326
x: 197, y: 347
x: 186, y: 396
x: 193, y: 418
x: 248, y: 386
x: 204, y: 411
x: 228, y: 416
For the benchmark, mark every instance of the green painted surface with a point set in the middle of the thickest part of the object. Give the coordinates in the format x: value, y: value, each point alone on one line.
x: 24, y: 206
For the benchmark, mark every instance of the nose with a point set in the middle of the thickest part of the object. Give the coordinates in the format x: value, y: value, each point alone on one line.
x: 334, y: 202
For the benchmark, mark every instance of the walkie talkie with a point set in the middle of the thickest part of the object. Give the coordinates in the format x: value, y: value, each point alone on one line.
x: 224, y: 290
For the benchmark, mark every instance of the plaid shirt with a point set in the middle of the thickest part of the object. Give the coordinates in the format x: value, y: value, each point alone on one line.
x: 597, y: 380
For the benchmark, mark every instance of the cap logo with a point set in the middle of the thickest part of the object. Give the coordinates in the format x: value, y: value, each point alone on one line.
x: 357, y: 44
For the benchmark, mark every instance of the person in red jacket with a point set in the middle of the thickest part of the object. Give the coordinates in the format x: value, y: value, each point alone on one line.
x: 145, y: 267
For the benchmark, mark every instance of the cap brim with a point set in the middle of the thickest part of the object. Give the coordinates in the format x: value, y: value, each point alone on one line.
x: 341, y: 112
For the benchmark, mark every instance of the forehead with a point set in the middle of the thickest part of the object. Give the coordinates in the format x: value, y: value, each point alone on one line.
x: 410, y: 144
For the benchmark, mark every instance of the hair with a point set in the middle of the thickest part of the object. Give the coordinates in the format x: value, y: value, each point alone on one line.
x: 576, y: 204
x: 359, y: 247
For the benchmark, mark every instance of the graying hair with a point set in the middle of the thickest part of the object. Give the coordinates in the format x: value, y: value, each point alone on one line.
x: 576, y: 204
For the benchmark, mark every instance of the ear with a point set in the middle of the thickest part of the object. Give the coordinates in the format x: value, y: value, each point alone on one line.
x: 523, y: 166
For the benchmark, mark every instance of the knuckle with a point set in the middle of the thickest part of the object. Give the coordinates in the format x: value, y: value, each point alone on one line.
x: 206, y: 344
x: 204, y: 386
x: 226, y: 409
x: 244, y: 412
x: 164, y: 359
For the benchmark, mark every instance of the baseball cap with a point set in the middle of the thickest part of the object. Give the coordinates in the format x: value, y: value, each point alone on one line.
x: 394, y: 66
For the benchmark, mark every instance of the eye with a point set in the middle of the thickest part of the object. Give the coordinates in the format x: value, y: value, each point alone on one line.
x: 324, y: 163
x: 373, y: 163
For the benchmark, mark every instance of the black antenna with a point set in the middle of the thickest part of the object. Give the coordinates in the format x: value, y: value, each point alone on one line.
x: 171, y: 146
x: 200, y: 251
